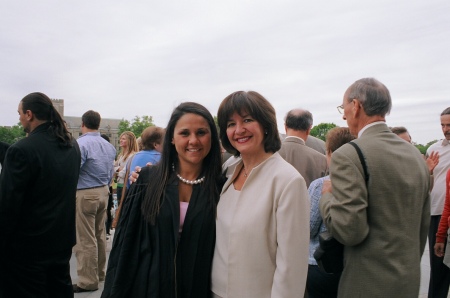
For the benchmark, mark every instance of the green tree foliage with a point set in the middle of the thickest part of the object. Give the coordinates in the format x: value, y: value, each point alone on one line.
x: 11, y: 134
x: 137, y: 125
x: 216, y: 121
x: 423, y: 148
x: 320, y: 130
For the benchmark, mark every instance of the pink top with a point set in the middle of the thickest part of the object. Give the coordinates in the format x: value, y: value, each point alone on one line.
x: 183, y: 209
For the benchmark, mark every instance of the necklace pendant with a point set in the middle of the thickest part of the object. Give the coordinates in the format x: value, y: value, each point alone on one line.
x: 245, y: 172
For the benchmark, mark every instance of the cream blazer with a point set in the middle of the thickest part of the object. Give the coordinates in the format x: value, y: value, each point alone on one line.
x: 269, y: 234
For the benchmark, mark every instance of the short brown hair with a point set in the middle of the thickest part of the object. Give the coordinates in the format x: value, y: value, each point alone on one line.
x: 259, y: 108
x: 150, y: 136
x: 336, y: 137
x: 399, y: 130
x: 91, y: 119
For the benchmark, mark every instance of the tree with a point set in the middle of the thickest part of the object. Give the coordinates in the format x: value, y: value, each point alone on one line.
x: 423, y: 148
x: 11, y: 134
x: 320, y: 130
x: 216, y: 121
x: 137, y: 125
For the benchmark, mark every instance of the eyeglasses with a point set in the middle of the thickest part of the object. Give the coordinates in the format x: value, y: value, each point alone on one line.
x: 341, y: 107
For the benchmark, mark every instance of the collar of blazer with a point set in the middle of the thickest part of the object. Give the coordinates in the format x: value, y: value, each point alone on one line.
x: 294, y: 139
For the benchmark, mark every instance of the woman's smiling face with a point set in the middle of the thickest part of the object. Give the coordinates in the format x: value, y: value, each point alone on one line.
x: 192, y: 139
x: 245, y: 134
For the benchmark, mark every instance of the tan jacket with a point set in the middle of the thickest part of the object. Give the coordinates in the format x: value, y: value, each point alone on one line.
x: 384, y: 226
x: 308, y: 162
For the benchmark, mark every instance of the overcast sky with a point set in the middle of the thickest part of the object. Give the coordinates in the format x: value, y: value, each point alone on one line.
x: 127, y: 58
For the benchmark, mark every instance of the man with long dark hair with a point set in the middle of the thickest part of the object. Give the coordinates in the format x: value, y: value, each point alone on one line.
x: 37, y: 204
x: 3, y: 148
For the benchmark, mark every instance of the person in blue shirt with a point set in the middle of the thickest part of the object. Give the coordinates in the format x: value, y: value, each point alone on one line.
x: 319, y: 283
x: 96, y: 171
x: 152, y: 140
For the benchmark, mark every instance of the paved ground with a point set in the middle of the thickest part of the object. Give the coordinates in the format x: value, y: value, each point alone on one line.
x: 425, y: 274
x: 73, y: 273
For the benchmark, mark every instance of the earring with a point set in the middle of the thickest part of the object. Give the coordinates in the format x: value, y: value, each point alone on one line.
x: 265, y: 132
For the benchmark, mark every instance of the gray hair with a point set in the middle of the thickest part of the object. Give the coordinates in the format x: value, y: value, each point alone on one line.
x: 373, y: 96
x: 299, y: 120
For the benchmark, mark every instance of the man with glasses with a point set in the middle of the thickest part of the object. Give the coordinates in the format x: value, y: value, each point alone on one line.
x: 382, y: 224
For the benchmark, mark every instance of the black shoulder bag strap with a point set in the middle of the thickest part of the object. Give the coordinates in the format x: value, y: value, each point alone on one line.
x: 362, y: 160
x: 330, y: 253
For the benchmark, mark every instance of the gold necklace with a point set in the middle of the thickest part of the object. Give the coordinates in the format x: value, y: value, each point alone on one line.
x: 245, y: 171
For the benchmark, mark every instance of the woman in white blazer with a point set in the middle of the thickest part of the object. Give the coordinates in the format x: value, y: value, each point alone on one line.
x: 263, y: 213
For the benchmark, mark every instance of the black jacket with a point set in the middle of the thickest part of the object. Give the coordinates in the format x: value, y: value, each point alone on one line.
x: 145, y: 258
x: 3, y: 148
x: 37, y: 195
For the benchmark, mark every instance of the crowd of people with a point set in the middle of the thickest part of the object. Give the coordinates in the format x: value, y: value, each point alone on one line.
x: 192, y: 223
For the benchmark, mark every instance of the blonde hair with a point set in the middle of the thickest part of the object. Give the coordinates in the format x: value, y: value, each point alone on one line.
x: 132, y: 145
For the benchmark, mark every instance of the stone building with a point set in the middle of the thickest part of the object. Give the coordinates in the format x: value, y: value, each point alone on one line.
x: 108, y: 126
x: 59, y: 105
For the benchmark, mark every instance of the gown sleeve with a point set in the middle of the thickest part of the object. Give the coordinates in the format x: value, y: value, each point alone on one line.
x: 131, y: 254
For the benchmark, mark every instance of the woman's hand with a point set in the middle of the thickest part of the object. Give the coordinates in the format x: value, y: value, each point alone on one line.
x: 135, y: 174
x: 326, y: 186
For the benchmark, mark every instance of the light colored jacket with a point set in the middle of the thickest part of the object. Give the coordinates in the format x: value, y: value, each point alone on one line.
x: 122, y: 164
x: 269, y: 235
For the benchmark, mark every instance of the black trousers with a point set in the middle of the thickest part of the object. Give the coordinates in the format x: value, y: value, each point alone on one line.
x: 320, y: 284
x: 439, y: 272
x: 36, y: 275
x: 109, y: 219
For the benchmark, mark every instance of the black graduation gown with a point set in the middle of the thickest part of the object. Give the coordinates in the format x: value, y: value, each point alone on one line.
x: 145, y: 258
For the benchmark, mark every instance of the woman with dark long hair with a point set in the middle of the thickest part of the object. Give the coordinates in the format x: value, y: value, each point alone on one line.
x: 164, y: 243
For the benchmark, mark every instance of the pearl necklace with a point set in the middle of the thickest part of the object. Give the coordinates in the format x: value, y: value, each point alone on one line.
x: 190, y: 182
